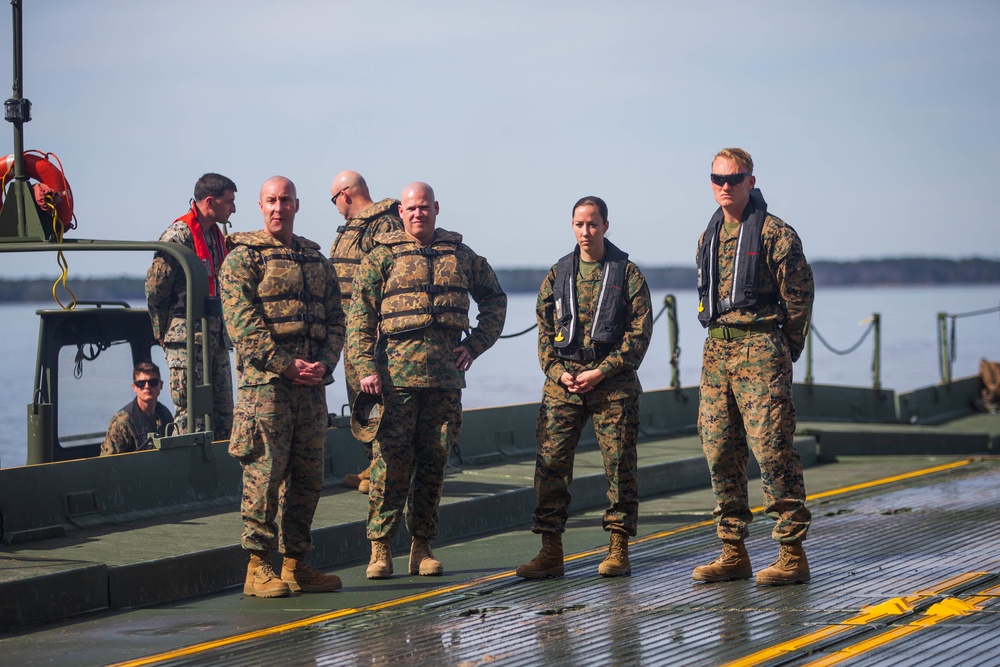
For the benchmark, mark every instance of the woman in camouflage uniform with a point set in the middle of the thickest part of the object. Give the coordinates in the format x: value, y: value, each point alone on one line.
x: 594, y: 326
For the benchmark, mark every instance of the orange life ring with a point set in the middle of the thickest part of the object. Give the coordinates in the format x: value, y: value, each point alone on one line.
x: 39, y: 168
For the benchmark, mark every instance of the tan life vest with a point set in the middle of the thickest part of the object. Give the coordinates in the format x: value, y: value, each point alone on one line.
x: 426, y: 285
x: 292, y: 291
x: 347, y: 249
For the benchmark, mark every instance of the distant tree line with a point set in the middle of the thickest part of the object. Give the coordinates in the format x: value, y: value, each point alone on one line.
x: 130, y: 289
x: 908, y: 271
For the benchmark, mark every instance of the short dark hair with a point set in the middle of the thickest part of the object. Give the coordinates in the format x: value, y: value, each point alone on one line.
x: 147, y: 367
x: 212, y: 185
x: 596, y: 202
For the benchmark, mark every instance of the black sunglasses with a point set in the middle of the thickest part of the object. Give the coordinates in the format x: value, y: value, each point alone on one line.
x: 731, y: 179
x: 141, y: 384
x: 334, y: 197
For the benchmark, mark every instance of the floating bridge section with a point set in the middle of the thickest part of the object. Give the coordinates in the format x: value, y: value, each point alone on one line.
x: 150, y: 527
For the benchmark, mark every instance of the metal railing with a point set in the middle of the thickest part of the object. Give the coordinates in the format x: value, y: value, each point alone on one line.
x: 946, y: 339
x: 946, y: 342
x: 874, y: 325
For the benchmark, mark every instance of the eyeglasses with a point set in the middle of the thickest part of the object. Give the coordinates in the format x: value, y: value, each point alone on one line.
x: 141, y: 384
x: 334, y: 197
x: 730, y: 179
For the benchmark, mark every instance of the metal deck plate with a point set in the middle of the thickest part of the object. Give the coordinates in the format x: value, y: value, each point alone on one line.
x: 906, y: 576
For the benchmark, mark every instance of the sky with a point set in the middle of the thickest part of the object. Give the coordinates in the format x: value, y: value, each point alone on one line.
x: 869, y: 122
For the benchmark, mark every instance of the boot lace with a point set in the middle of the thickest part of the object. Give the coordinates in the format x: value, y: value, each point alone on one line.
x: 786, y: 557
x: 618, y: 548
x: 730, y: 554
x: 265, y: 570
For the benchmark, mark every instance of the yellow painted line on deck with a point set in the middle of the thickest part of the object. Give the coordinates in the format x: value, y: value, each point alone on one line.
x: 889, y: 480
x: 867, y: 615
x: 437, y: 592
x: 945, y: 610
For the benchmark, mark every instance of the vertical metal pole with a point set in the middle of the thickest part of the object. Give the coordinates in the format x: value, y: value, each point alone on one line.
x: 809, y: 356
x: 670, y: 303
x: 19, y: 176
x: 877, y: 358
x: 945, y: 360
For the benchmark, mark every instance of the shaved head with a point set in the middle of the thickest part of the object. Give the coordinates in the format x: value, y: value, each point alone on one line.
x: 278, y: 180
x: 279, y: 204
x: 349, y: 179
x: 417, y: 188
x: 350, y: 193
x: 419, y: 209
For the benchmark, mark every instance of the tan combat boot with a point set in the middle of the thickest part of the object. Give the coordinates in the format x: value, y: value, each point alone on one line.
x: 548, y: 562
x: 261, y: 580
x: 790, y: 568
x: 365, y: 480
x: 617, y: 563
x: 380, y: 565
x: 422, y: 561
x: 303, y: 577
x: 732, y: 564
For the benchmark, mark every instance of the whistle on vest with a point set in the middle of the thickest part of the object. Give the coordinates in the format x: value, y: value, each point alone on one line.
x: 701, y: 306
x: 559, y: 326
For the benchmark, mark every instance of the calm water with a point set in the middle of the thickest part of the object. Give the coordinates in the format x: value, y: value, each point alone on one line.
x: 509, y: 372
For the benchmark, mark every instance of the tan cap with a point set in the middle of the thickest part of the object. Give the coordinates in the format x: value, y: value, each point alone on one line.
x: 366, y: 415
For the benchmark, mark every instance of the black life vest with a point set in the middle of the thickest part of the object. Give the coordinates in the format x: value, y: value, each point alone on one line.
x: 746, y: 272
x: 606, y: 325
x: 146, y: 426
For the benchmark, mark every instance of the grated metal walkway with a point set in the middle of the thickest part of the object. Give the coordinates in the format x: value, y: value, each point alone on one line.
x: 908, y: 575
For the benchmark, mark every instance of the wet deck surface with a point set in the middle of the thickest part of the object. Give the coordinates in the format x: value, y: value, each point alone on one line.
x: 919, y: 552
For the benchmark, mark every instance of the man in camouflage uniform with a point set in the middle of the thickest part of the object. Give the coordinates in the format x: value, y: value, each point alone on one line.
x: 282, y: 310
x: 132, y: 427
x: 756, y: 294
x: 594, y: 325
x: 364, y: 220
x: 405, y: 338
x: 166, y: 290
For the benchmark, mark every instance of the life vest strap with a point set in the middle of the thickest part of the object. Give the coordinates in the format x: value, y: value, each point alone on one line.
x: 428, y: 310
x: 304, y: 297
x: 424, y: 289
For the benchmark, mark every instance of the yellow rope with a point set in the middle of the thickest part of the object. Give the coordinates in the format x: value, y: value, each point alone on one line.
x: 59, y: 229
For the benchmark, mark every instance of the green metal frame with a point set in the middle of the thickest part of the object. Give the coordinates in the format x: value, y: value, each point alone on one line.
x: 199, y: 395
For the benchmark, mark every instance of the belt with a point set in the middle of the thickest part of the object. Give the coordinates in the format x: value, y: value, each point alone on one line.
x: 584, y: 354
x: 732, y: 332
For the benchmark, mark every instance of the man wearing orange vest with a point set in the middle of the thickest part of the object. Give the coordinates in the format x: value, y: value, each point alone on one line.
x: 166, y: 291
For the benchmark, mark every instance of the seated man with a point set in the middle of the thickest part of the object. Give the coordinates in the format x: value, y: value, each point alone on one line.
x: 133, y: 426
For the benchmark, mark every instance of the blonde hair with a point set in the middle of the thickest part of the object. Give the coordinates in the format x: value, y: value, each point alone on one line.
x: 737, y: 155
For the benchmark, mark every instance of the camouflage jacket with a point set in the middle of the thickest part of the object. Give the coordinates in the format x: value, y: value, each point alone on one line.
x: 621, y: 363
x: 166, y: 288
x: 422, y: 358
x: 357, y: 237
x: 260, y: 357
x: 123, y: 436
x: 784, y: 270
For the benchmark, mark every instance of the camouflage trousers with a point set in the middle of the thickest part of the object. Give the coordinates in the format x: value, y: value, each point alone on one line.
x: 616, y: 424
x: 418, y: 429
x: 279, y: 436
x: 746, y: 405
x: 222, y: 387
